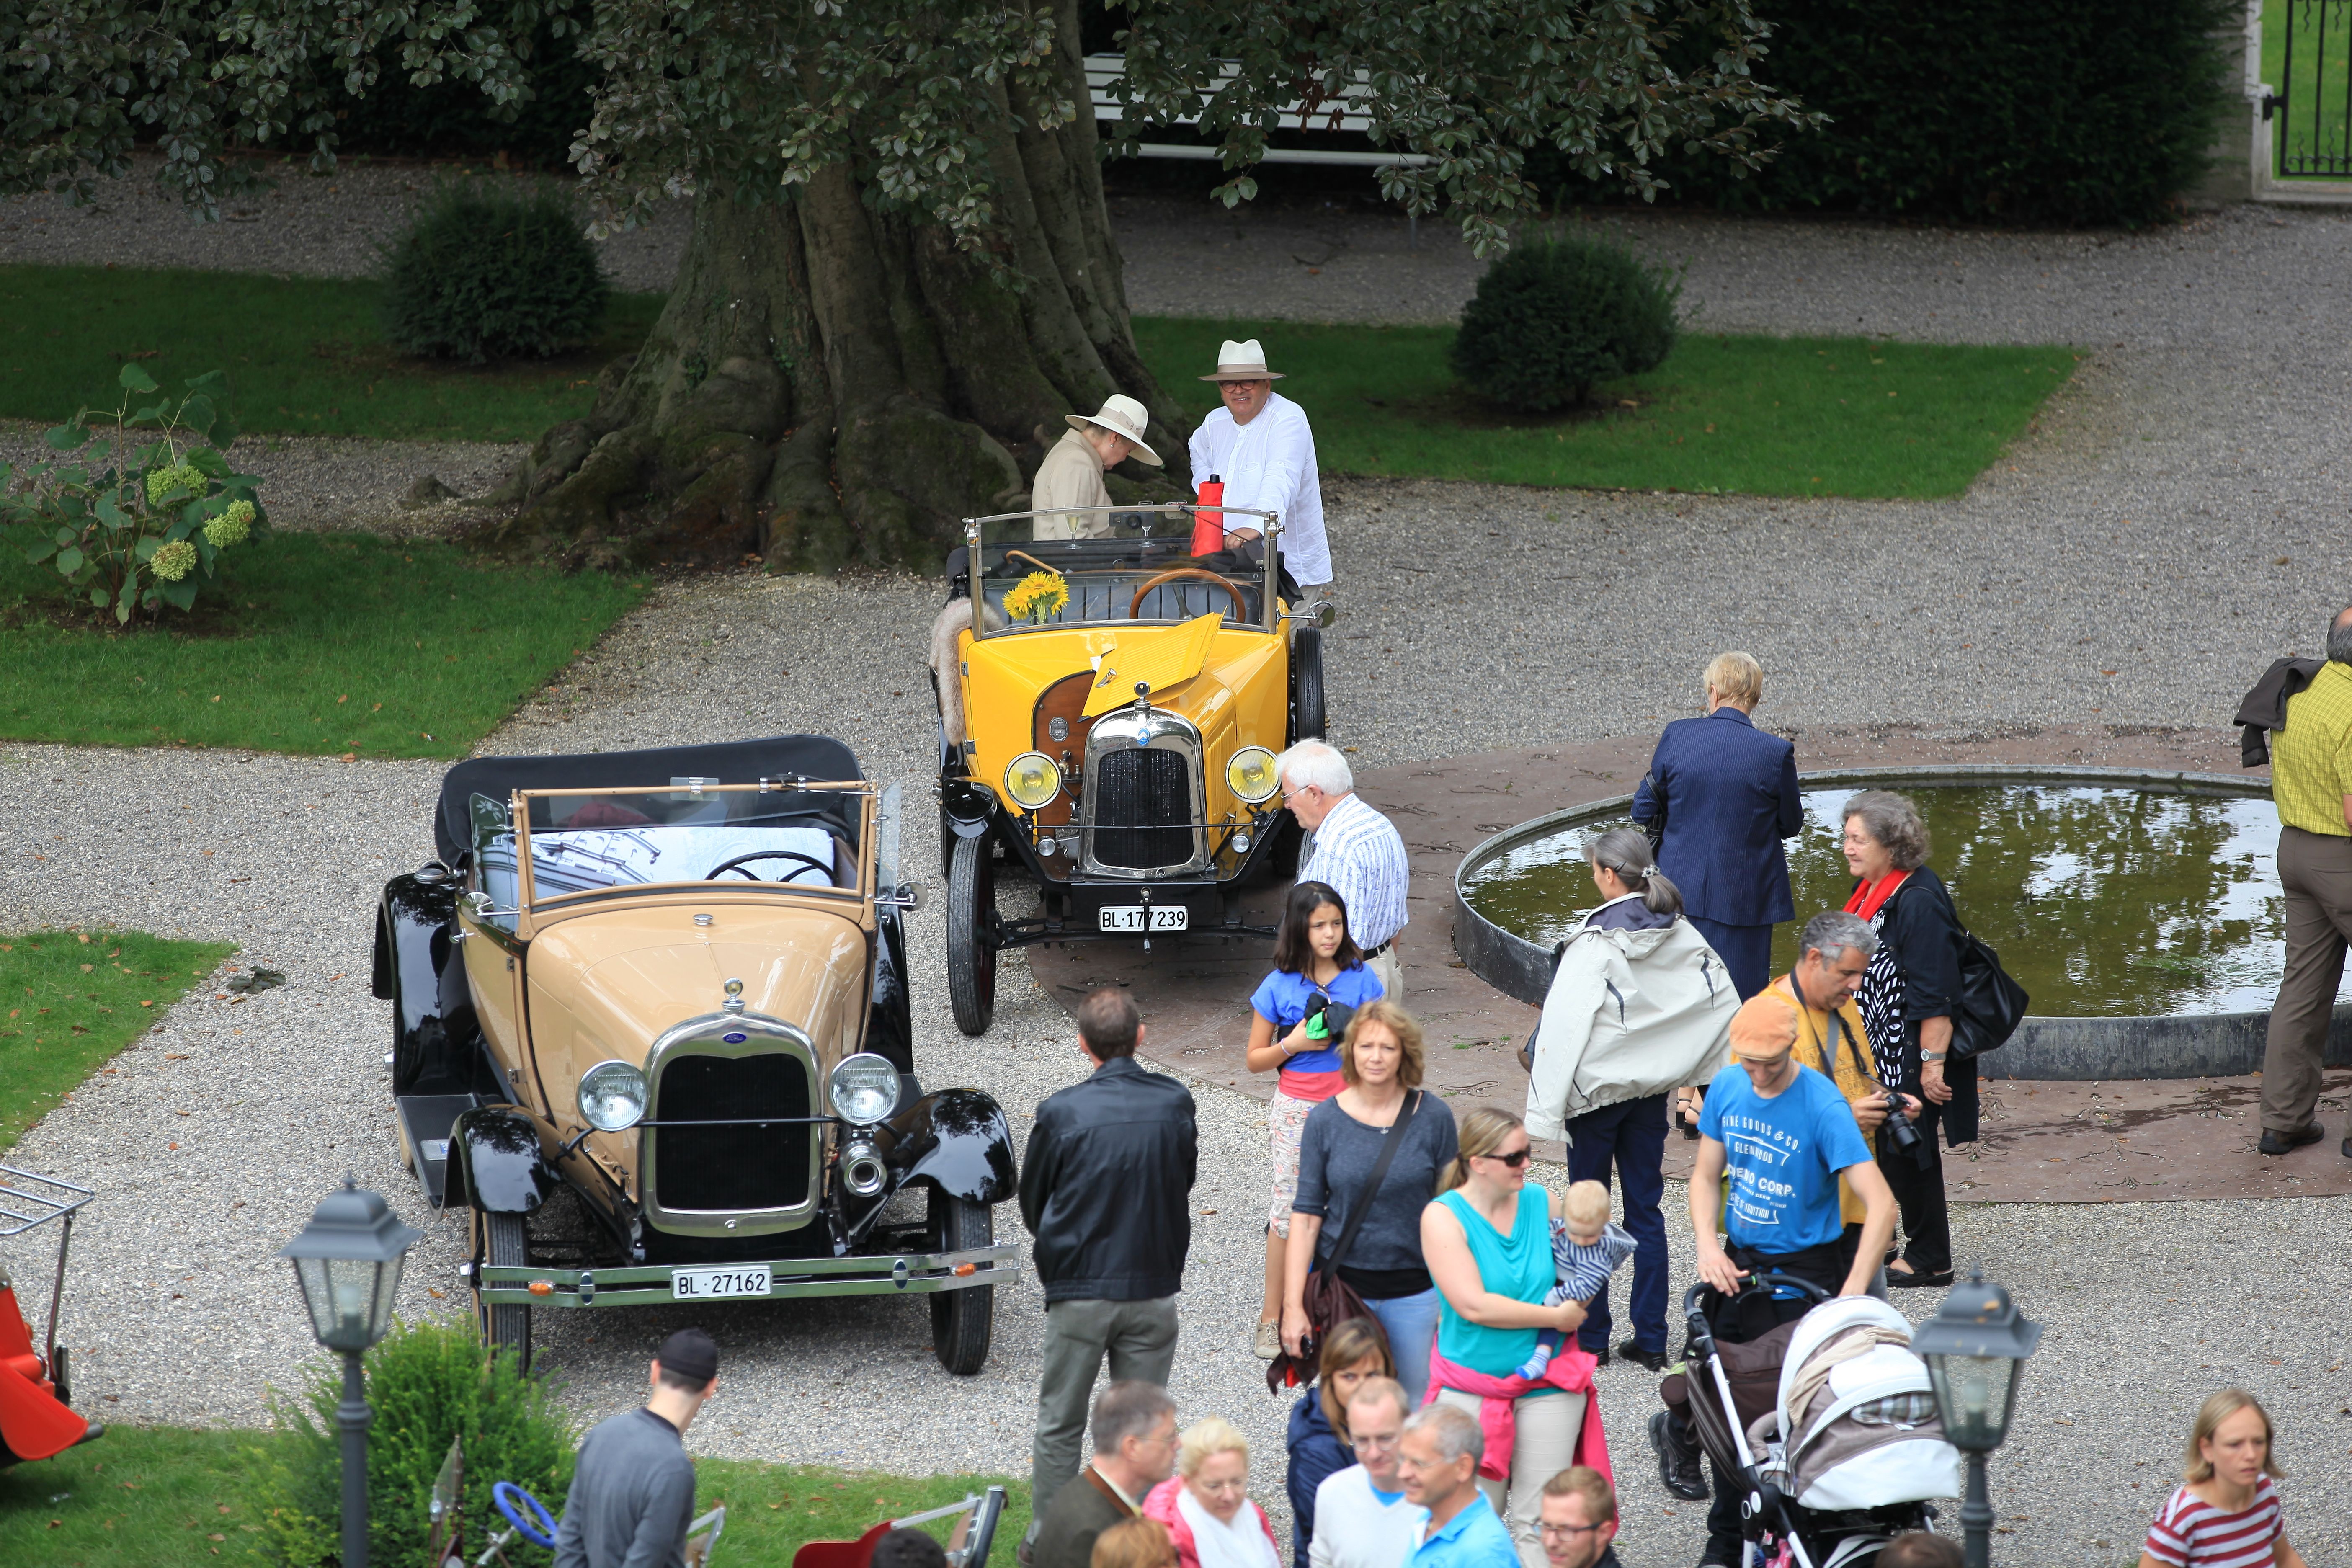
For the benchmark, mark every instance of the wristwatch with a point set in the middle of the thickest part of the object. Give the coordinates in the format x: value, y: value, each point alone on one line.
x: 1933, y: 1055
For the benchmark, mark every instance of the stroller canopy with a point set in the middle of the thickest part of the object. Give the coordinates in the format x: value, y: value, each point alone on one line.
x: 1856, y: 1412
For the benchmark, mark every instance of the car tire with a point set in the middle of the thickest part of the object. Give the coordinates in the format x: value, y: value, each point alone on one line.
x: 972, y: 950
x: 961, y: 1321
x: 502, y: 1240
x: 1306, y: 684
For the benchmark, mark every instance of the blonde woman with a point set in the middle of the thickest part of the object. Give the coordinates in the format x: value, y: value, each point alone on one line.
x: 2227, y: 1514
x: 1487, y: 1238
x: 1205, y: 1504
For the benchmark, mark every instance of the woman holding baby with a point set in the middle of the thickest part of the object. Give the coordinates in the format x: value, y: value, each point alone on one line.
x: 1490, y: 1240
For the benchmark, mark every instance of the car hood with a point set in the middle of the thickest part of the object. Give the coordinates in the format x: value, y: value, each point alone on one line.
x: 607, y: 983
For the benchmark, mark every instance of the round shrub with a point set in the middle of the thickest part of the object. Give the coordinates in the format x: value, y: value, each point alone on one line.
x: 482, y: 275
x: 1557, y: 316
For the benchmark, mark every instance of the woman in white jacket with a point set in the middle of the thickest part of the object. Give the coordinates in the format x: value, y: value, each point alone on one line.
x: 1639, y: 1007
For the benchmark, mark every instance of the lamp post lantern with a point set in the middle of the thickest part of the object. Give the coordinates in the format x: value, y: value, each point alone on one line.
x: 1975, y: 1348
x: 347, y: 1261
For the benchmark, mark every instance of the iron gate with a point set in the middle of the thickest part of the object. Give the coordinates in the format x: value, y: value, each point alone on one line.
x: 2310, y: 105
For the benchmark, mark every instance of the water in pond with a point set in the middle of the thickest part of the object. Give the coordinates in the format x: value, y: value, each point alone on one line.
x: 2102, y: 901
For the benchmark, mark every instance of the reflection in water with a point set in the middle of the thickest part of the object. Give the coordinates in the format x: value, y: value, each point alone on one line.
x: 2102, y: 901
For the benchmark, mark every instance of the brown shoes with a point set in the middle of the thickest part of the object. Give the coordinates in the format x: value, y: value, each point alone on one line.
x: 2277, y: 1143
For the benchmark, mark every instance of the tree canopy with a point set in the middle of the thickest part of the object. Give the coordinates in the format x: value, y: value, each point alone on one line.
x: 912, y: 95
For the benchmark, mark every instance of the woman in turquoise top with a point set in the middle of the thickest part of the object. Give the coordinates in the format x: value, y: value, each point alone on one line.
x: 1487, y: 1240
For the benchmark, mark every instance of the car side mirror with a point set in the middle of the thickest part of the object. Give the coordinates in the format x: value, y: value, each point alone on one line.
x: 1322, y: 615
x: 481, y: 904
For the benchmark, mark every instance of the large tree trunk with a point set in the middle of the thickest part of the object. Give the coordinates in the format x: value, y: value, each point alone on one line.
x: 830, y: 384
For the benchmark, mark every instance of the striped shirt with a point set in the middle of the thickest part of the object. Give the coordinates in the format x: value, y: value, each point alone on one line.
x: 2192, y: 1533
x: 1361, y: 856
x: 2311, y: 759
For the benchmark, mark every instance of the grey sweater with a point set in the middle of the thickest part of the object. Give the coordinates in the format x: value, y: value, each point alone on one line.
x: 632, y: 1497
x: 1335, y: 1156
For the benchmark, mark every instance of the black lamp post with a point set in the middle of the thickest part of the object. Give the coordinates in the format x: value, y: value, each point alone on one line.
x: 1976, y: 1349
x: 347, y: 1261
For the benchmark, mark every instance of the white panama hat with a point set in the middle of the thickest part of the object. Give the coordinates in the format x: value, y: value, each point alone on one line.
x: 1242, y: 362
x: 1121, y: 416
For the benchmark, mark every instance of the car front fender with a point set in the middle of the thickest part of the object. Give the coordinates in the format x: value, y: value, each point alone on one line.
x: 958, y: 1141
x: 496, y: 1164
x: 969, y: 807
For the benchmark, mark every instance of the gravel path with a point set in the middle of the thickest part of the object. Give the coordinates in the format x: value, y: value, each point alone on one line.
x: 2137, y: 530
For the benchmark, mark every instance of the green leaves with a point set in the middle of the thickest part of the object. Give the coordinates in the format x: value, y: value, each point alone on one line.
x: 70, y: 560
x: 137, y: 380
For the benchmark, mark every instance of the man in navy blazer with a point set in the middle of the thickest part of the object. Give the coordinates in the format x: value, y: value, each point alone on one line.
x: 1728, y: 790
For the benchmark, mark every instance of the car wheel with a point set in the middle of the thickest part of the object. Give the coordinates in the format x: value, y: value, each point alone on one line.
x: 972, y: 950
x: 501, y: 1241
x: 961, y: 1321
x: 1306, y: 684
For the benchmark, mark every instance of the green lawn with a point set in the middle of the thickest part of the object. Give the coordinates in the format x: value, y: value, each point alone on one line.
x: 73, y: 999
x: 156, y: 1497
x: 320, y: 643
x: 302, y: 354
x: 2322, y: 66
x: 1761, y: 416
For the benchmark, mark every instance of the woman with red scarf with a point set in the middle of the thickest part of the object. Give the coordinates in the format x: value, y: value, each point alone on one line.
x: 1907, y: 998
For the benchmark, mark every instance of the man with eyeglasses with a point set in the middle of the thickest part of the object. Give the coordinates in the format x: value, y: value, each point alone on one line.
x: 1358, y: 854
x: 1580, y: 1520
x: 1362, y: 1518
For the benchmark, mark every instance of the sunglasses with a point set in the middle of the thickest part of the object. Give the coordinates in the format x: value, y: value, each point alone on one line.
x: 1514, y: 1159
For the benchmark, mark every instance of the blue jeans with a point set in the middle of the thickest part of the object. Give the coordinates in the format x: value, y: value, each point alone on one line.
x: 1745, y: 952
x: 1411, y: 1322
x: 1633, y: 1137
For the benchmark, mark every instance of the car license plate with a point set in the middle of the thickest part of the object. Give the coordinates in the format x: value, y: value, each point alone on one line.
x: 1146, y: 916
x: 714, y: 1284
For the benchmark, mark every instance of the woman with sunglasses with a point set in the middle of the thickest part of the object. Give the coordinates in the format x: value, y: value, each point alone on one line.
x: 1487, y: 1240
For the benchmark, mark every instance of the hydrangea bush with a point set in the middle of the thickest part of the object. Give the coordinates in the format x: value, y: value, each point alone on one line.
x: 132, y: 523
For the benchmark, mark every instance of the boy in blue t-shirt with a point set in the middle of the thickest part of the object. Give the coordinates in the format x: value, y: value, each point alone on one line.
x: 1782, y: 1134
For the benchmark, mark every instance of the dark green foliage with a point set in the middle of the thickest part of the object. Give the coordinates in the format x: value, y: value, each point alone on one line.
x: 483, y: 275
x: 2010, y: 111
x: 428, y: 1382
x: 453, y: 117
x: 1556, y: 316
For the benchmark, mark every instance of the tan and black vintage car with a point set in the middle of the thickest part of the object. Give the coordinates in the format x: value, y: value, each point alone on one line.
x: 650, y: 1027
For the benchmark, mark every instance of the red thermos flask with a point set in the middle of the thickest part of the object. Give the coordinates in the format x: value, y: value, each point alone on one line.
x: 1209, y: 526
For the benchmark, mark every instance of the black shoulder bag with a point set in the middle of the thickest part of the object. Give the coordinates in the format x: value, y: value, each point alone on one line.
x: 1328, y: 1299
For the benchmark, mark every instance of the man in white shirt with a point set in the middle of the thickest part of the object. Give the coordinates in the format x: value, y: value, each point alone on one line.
x: 1260, y: 445
x: 1362, y: 1517
x: 1358, y: 854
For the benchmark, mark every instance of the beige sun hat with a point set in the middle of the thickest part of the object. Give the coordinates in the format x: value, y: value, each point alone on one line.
x: 1121, y: 416
x: 1242, y: 362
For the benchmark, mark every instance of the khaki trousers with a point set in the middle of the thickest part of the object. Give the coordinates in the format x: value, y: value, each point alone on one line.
x: 1392, y: 978
x: 2315, y: 873
x: 1548, y: 1425
x: 1137, y: 1338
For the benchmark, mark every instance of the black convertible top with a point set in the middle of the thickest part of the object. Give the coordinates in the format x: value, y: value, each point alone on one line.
x: 814, y: 757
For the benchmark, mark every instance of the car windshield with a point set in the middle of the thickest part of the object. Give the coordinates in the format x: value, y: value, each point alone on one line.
x: 582, y: 843
x: 1110, y: 567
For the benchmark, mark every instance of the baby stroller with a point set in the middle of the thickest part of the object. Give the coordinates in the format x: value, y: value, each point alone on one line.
x: 1829, y: 1424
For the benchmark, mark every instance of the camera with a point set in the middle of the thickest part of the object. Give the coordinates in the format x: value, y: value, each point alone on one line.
x: 1898, y: 1124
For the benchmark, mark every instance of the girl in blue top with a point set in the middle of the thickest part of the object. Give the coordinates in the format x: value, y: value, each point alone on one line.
x: 1300, y: 1015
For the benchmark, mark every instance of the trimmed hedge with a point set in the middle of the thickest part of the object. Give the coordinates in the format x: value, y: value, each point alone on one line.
x: 1557, y: 316
x: 2008, y: 112
x: 485, y: 274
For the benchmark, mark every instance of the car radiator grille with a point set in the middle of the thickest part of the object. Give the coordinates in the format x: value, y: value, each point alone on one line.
x: 1143, y: 809
x: 733, y: 1167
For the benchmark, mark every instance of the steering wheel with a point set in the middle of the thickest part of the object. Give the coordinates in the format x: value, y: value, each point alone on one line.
x: 739, y: 861
x: 525, y: 1513
x: 1188, y: 573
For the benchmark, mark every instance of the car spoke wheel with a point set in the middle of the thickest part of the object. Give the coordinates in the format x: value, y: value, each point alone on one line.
x: 971, y: 943
x: 961, y: 1321
x: 502, y: 1241
x: 1306, y: 684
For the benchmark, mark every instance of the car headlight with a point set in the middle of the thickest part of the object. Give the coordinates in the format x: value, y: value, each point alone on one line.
x: 1031, y: 780
x: 612, y: 1097
x: 864, y: 1088
x: 1251, y: 775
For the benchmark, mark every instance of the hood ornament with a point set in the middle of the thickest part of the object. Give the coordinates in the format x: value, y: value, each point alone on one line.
x: 734, y: 1003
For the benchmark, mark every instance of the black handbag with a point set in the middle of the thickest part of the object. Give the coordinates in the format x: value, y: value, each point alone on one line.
x: 1654, y: 830
x: 1992, y: 1003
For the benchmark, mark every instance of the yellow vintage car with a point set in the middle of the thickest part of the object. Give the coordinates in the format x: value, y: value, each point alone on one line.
x: 1110, y: 707
x: 650, y: 1029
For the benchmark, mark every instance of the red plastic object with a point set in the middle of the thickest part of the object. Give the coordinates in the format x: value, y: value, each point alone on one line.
x: 33, y: 1425
x: 855, y: 1553
x: 1209, y: 527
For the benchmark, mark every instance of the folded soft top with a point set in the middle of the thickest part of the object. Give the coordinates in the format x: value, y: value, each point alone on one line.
x: 780, y: 757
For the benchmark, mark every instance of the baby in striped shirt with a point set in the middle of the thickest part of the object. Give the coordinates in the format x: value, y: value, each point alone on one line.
x: 1586, y: 1249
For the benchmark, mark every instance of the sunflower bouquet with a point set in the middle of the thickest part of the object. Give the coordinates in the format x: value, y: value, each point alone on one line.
x: 1037, y: 598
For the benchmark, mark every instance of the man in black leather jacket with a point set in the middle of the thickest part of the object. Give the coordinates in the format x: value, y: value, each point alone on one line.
x: 1106, y: 1190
